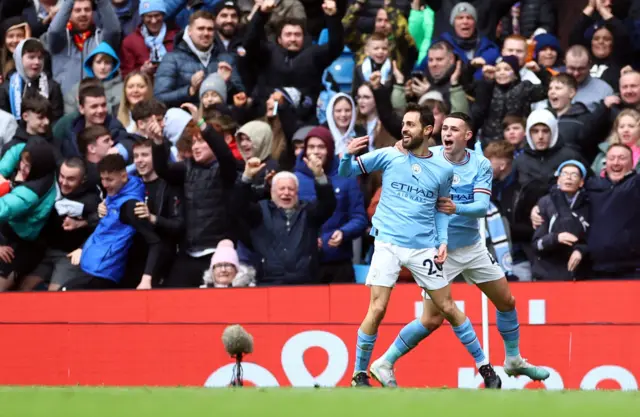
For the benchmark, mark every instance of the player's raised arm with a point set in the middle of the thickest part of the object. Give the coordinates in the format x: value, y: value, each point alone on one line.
x: 364, y: 164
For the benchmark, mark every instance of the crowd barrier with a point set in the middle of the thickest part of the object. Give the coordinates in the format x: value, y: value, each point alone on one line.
x: 585, y: 333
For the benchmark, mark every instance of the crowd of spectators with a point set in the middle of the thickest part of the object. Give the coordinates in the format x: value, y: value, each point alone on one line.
x: 195, y: 143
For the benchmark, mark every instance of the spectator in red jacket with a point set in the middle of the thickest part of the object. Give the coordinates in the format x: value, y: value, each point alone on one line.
x: 144, y: 49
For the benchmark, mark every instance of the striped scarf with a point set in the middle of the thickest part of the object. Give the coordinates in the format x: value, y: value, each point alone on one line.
x: 79, y: 38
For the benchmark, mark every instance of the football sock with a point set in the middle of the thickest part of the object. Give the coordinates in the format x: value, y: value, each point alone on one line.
x: 509, y: 329
x: 468, y: 337
x: 407, y: 339
x: 364, y: 348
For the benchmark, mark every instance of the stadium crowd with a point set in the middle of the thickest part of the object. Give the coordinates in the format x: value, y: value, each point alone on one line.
x: 126, y: 126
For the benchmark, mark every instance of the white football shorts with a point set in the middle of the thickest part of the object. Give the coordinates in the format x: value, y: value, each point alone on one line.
x: 476, y: 264
x: 388, y: 259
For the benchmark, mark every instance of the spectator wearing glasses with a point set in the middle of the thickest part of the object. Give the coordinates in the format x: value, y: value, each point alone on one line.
x: 591, y: 90
x: 226, y: 271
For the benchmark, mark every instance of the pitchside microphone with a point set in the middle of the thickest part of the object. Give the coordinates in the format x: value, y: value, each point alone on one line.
x: 237, y: 342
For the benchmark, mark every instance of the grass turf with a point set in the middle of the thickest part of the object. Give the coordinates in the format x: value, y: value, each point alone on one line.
x: 186, y: 402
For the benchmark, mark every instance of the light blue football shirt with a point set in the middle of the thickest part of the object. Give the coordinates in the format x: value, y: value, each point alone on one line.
x: 471, y: 184
x: 406, y: 215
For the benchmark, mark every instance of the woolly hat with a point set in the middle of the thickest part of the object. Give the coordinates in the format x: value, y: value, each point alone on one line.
x: 214, y: 82
x: 323, y: 134
x: 150, y: 6
x: 225, y: 254
x: 574, y: 163
x: 463, y: 7
x: 546, y: 40
x: 431, y: 95
x: 228, y: 4
x: 175, y: 120
x: 512, y: 61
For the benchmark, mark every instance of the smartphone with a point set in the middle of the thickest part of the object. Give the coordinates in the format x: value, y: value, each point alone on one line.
x: 275, y: 109
x: 418, y: 75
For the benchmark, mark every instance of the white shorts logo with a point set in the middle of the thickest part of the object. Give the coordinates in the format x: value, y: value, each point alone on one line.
x: 416, y: 169
x: 456, y: 179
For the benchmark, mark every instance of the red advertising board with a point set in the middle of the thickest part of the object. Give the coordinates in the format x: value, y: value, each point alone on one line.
x: 585, y: 333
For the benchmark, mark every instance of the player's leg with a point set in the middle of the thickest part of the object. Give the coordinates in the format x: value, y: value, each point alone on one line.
x: 408, y: 338
x: 499, y: 293
x: 383, y: 274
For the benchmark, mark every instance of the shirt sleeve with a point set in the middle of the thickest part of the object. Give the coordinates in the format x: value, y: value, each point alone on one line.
x: 442, y: 219
x: 364, y: 164
x: 483, y: 180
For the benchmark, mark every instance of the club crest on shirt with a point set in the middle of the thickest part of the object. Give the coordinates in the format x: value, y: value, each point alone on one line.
x: 456, y: 179
x: 416, y: 169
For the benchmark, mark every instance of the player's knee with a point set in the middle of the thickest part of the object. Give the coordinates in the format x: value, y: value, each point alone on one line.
x: 432, y: 322
x: 508, y: 304
x: 377, y: 311
x: 449, y: 309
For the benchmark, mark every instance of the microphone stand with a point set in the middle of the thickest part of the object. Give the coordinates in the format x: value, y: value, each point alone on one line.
x: 236, y: 380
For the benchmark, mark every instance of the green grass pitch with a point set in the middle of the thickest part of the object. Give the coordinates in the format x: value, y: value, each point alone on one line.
x: 337, y: 402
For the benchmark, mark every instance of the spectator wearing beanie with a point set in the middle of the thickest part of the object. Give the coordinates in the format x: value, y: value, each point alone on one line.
x: 510, y: 95
x: 548, y: 53
x: 348, y: 221
x: 465, y: 39
x: 226, y: 271
x: 143, y: 49
x: 213, y: 91
x: 175, y: 122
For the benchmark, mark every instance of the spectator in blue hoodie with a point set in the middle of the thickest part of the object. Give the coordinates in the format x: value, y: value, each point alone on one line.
x: 467, y: 43
x: 349, y: 220
x: 103, y: 64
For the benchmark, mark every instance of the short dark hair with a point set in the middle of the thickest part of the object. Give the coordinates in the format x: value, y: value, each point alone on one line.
x: 566, y: 79
x: 36, y: 104
x: 499, y: 149
x: 289, y: 21
x: 148, y: 108
x: 142, y: 143
x: 33, y: 45
x: 461, y: 116
x: 75, y: 162
x: 201, y: 14
x: 442, y: 46
x: 512, y: 120
x: 89, y: 136
x: 91, y: 91
x: 112, y: 163
x: 426, y: 115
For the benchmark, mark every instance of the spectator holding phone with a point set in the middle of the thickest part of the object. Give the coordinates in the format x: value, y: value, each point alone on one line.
x: 144, y: 49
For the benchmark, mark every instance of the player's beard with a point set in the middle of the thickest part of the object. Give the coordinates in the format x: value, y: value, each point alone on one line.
x: 413, y: 143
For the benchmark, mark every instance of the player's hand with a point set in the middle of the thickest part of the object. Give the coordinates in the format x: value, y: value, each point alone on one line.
x: 442, y: 255
x: 336, y: 239
x: 315, y: 165
x: 567, y: 238
x: 6, y: 254
x: 401, y: 148
x: 145, y: 283
x: 253, y: 166
x: 102, y: 209
x: 446, y: 205
x: 357, y: 145
x: 74, y: 257
x: 574, y: 260
x: 72, y: 224
x: 536, y: 218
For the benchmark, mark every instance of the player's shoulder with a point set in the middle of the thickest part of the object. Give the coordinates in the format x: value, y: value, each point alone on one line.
x: 479, y: 161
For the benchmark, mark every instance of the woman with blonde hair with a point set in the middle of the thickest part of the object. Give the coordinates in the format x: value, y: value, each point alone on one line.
x: 12, y: 31
x: 137, y: 86
x: 626, y: 130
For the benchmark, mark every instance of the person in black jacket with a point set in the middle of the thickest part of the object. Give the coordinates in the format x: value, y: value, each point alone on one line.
x: 565, y: 211
x: 162, y: 208
x: 72, y: 220
x: 35, y: 115
x: 530, y: 16
x: 289, y: 64
x: 208, y: 180
x: 284, y: 231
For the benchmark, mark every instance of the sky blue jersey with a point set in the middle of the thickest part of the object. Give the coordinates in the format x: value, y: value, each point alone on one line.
x: 471, y: 192
x: 406, y: 214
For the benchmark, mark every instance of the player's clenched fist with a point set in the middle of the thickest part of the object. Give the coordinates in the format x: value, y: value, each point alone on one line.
x: 252, y: 167
x: 329, y: 7
x: 357, y: 145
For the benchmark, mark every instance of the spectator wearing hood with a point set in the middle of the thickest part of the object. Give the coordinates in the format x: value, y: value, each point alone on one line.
x: 12, y: 31
x: 143, y: 49
x: 548, y: 53
x: 289, y: 64
x: 30, y: 80
x: 348, y: 221
x: 128, y: 15
x: 255, y: 140
x: 606, y: 37
x: 341, y: 121
x: 226, y: 271
x: 73, y: 34
x: 391, y: 24
x: 565, y: 214
x: 39, y: 14
x: 175, y: 124
x: 8, y: 127
x: 468, y: 44
x: 509, y: 95
x: 181, y: 72
x: 25, y: 210
x: 102, y: 64
x: 542, y: 158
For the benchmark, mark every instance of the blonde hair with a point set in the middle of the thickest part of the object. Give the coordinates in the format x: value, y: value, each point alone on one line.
x: 614, y: 138
x: 6, y: 57
x: 124, y: 109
